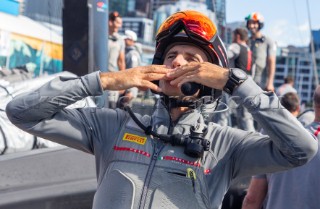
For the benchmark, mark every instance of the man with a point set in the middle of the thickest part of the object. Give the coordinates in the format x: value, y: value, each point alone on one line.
x: 263, y: 53
x: 297, y: 188
x: 286, y: 87
x: 133, y: 59
x: 172, y: 159
x: 239, y: 55
x: 116, y: 52
x: 116, y: 45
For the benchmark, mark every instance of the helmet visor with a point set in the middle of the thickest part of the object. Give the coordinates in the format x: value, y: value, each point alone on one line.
x: 195, y: 24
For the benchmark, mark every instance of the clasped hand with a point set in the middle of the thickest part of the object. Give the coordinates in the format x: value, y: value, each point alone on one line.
x: 205, y: 73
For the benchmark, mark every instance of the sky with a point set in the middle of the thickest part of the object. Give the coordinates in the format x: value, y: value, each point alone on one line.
x: 286, y: 21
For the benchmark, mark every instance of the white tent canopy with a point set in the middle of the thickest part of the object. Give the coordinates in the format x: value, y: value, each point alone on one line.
x: 28, y: 27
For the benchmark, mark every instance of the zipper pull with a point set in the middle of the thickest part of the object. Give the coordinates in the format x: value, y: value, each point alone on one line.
x: 192, y: 175
x: 157, y: 151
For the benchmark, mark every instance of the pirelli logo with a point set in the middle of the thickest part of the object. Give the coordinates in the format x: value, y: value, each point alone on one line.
x: 134, y: 138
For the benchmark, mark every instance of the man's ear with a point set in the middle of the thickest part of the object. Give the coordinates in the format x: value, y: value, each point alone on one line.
x: 238, y: 38
x: 297, y: 111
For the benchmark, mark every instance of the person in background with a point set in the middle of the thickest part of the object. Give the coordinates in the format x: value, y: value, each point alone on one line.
x: 239, y: 55
x: 116, y: 53
x: 133, y: 59
x: 286, y: 87
x: 263, y: 53
x: 116, y: 44
x: 297, y: 188
x: 132, y: 55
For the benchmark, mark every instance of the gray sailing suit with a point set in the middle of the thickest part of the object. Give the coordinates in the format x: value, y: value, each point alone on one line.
x: 138, y: 171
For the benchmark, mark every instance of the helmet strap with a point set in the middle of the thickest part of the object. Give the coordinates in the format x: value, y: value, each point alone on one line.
x: 175, y: 102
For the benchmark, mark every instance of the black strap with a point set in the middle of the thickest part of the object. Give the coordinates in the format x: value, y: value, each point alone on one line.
x: 4, y: 141
x: 147, y: 130
x: 4, y: 138
x: 194, y: 104
x: 35, y: 143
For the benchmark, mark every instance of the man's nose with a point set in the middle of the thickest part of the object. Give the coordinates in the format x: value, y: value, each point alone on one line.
x: 178, y: 61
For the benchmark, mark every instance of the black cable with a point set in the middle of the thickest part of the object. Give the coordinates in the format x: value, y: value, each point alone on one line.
x: 4, y: 141
x: 4, y: 137
x: 147, y: 130
x: 35, y: 142
x: 6, y: 90
x: 304, y: 112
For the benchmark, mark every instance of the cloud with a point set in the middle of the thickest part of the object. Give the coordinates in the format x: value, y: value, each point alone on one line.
x: 285, y: 33
x: 303, y: 27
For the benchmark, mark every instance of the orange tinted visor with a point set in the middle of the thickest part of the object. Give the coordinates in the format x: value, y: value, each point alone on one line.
x: 195, y: 22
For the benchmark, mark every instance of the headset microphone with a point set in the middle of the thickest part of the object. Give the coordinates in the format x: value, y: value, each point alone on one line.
x: 190, y: 88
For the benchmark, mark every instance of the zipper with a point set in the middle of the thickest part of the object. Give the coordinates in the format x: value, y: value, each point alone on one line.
x: 192, y: 175
x: 152, y: 164
x: 158, y: 147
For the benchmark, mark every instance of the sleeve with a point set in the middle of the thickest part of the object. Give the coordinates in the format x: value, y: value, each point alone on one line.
x: 43, y: 113
x: 286, y: 142
x: 233, y: 51
x: 122, y: 45
x: 135, y: 59
x: 272, y: 47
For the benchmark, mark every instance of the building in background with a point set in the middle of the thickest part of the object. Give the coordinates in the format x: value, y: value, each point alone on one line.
x: 166, y: 10
x: 149, y: 9
x: 144, y: 28
x: 131, y: 8
x: 220, y: 12
x: 217, y: 7
x: 297, y: 63
x: 49, y: 11
x: 156, y: 4
x: 316, y: 39
x: 210, y: 4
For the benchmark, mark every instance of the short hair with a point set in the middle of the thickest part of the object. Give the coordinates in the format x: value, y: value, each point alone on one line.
x: 316, y: 97
x: 113, y: 15
x: 243, y: 33
x: 290, y: 101
x: 288, y: 79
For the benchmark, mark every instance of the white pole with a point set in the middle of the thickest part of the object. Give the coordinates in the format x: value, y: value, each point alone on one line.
x: 313, y: 57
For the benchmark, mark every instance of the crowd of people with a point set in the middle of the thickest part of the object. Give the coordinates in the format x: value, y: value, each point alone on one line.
x: 176, y: 157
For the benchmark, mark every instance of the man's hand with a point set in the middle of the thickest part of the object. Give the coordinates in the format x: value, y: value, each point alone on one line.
x: 269, y: 87
x: 204, y: 73
x: 140, y: 77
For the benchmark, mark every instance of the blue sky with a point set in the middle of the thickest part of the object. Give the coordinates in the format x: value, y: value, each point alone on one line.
x: 286, y: 21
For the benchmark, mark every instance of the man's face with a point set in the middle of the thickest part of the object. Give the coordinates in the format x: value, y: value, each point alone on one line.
x: 234, y: 38
x: 177, y: 56
x: 129, y: 42
x: 253, y: 26
x: 115, y: 25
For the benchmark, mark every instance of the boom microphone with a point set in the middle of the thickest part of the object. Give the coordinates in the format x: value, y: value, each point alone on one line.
x: 190, y: 88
